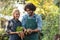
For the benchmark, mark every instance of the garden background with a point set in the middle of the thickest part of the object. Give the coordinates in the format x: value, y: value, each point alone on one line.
x: 48, y: 9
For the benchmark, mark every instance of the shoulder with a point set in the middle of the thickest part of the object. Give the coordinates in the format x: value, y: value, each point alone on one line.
x: 38, y: 16
x: 25, y: 16
x: 10, y: 21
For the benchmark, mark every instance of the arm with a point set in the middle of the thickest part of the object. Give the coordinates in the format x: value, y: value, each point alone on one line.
x: 23, y: 21
x: 39, y: 24
x: 14, y: 33
x: 8, y: 28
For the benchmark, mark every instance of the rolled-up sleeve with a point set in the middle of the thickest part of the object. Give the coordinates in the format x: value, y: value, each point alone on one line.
x: 39, y: 22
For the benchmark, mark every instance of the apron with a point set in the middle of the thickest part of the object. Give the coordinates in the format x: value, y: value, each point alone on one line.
x: 32, y: 24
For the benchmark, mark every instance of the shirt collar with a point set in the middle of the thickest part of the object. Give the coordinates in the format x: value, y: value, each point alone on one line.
x: 15, y: 20
x: 32, y: 16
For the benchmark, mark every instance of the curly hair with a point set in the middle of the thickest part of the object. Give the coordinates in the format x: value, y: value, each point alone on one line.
x: 30, y: 6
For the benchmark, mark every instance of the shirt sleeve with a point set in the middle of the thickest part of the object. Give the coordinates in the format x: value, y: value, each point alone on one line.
x: 39, y: 22
x: 23, y: 21
x: 8, y: 27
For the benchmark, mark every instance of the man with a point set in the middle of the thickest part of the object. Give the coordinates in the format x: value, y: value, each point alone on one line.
x: 13, y: 24
x: 31, y: 22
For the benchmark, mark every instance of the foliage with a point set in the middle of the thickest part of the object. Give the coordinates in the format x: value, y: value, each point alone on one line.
x: 19, y: 29
x: 50, y: 26
x: 7, y: 10
x: 2, y: 31
x: 7, y: 6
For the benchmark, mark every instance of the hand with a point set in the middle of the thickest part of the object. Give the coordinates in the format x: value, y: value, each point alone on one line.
x: 25, y: 30
x: 29, y: 31
x: 21, y: 34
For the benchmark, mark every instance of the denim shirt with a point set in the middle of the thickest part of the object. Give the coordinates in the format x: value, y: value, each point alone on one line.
x: 38, y: 20
x: 12, y: 25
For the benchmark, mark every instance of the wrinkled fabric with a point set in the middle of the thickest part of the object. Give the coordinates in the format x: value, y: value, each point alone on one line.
x: 12, y: 25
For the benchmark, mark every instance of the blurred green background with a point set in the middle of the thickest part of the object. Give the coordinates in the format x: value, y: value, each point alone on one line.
x: 48, y: 9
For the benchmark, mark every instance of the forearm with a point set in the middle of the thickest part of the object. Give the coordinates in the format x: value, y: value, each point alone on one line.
x: 35, y: 30
x: 13, y: 32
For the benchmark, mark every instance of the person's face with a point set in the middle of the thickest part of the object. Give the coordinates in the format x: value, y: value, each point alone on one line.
x: 30, y: 12
x: 16, y: 15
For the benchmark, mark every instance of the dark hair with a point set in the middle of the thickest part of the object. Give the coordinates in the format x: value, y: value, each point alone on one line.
x: 30, y: 6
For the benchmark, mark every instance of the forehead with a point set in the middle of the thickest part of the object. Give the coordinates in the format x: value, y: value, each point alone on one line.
x: 27, y: 9
x: 16, y: 11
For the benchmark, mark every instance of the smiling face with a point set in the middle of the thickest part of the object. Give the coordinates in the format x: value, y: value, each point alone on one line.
x: 16, y: 14
x: 30, y: 12
x: 30, y: 8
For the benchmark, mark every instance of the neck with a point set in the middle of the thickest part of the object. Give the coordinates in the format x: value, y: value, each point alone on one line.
x: 31, y: 14
x: 15, y: 19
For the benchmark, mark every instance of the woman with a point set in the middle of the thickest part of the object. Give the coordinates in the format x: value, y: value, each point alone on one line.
x: 13, y: 24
